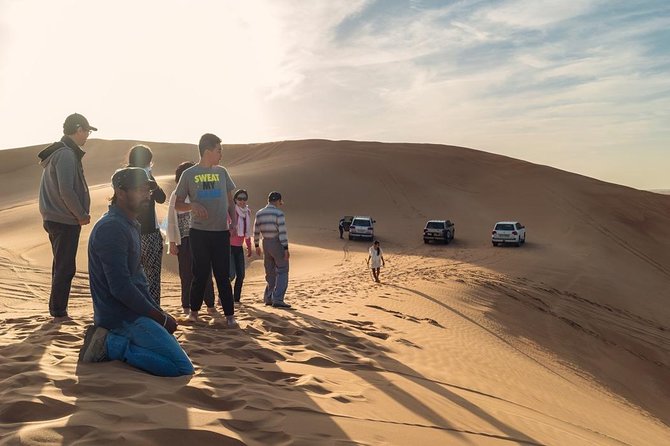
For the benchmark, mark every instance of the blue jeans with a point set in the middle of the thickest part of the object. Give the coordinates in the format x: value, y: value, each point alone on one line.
x: 148, y: 346
x: 276, y: 270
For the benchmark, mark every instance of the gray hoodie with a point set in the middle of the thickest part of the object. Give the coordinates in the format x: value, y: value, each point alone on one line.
x: 64, y: 196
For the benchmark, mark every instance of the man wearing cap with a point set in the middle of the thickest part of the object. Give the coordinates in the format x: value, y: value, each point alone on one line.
x: 129, y: 325
x: 271, y: 225
x: 64, y: 203
x: 209, y: 189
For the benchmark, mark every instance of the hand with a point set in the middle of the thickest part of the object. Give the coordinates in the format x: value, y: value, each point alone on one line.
x: 199, y: 211
x: 258, y: 251
x: 84, y: 221
x: 173, y: 249
x: 249, y: 252
x: 170, y: 324
x: 286, y: 254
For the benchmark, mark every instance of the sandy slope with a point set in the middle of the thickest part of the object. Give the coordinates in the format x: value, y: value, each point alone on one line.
x: 562, y: 341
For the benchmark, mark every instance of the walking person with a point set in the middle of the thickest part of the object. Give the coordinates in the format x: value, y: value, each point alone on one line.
x: 209, y: 189
x: 64, y: 203
x: 151, y: 239
x: 240, y: 235
x: 270, y: 223
x: 129, y: 325
x: 376, y: 260
x: 179, y: 244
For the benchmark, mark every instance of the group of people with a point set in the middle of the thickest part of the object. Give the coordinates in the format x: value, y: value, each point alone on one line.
x: 208, y: 224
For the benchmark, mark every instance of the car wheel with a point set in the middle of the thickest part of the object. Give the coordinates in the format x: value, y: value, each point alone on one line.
x: 351, y: 237
x: 425, y: 241
x: 447, y: 238
x: 518, y: 242
x: 524, y: 239
x: 495, y: 243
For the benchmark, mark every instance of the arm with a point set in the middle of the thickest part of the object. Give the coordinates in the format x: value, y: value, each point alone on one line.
x: 231, y: 208
x: 173, y: 235
x: 247, y: 241
x: 283, y: 236
x: 257, y: 235
x: 66, y: 172
x: 158, y: 195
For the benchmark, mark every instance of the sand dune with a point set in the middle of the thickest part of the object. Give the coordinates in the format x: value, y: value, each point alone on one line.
x: 563, y: 341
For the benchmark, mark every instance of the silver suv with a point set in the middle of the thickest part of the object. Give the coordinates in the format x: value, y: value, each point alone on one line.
x: 362, y: 227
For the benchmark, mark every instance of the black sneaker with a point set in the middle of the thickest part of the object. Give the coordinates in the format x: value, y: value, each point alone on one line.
x: 95, y: 346
x: 281, y: 305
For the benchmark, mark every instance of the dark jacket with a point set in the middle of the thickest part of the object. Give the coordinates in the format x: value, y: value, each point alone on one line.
x: 63, y: 196
x: 147, y: 217
x: 118, y: 284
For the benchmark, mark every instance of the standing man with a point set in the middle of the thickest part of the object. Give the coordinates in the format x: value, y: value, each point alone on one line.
x: 209, y: 189
x: 129, y: 324
x: 271, y: 224
x: 64, y: 204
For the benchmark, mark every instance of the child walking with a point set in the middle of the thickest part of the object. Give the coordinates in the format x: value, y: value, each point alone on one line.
x: 376, y: 259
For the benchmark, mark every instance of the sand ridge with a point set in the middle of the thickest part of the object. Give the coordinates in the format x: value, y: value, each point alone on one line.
x: 562, y: 341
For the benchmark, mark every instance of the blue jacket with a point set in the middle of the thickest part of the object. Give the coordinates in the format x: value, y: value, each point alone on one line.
x: 118, y: 284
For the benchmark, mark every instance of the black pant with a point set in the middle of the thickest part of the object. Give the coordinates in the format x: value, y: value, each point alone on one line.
x: 64, y: 241
x: 186, y: 276
x: 237, y: 253
x: 210, y: 251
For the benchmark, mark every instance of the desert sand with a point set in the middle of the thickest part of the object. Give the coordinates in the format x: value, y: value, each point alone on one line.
x: 564, y: 341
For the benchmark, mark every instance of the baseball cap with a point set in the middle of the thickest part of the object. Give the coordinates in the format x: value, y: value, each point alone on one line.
x: 274, y: 196
x: 74, y: 121
x: 131, y: 177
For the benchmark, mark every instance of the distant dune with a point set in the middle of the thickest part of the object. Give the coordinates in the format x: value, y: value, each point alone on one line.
x: 565, y: 340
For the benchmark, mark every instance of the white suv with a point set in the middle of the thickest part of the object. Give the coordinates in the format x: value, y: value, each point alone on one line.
x: 508, y: 232
x: 362, y: 227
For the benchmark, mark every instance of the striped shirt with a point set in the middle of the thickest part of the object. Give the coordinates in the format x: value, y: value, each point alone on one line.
x: 270, y: 223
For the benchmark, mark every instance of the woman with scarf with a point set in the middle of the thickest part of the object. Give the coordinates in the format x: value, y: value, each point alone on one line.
x: 151, y: 238
x: 240, y: 233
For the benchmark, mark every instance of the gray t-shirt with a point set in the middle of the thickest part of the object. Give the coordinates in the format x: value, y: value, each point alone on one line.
x: 208, y: 187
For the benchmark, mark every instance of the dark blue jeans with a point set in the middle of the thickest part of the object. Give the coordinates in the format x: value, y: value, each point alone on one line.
x: 237, y: 259
x: 64, y: 242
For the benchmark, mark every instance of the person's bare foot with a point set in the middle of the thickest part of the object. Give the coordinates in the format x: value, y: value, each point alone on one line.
x: 212, y: 311
x: 186, y: 310
x: 193, y: 316
x: 61, y: 319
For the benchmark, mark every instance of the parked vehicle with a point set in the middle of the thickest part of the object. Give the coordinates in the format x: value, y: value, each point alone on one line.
x: 439, y: 231
x: 362, y: 227
x: 508, y: 232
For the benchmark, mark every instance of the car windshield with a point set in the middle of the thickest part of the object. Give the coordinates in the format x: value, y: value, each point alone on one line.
x: 504, y: 227
x: 361, y: 222
x: 435, y: 225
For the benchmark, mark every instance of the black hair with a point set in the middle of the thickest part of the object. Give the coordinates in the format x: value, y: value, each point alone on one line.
x: 239, y: 192
x: 140, y: 156
x: 180, y: 169
x: 208, y: 141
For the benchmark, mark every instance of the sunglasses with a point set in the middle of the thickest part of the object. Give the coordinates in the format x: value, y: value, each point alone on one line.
x: 242, y: 197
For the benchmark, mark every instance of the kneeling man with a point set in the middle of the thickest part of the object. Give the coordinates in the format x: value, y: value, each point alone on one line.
x: 129, y: 325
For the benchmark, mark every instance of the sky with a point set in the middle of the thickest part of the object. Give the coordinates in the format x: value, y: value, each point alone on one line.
x: 581, y: 85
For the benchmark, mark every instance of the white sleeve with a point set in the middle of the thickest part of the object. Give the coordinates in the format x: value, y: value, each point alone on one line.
x: 173, y: 234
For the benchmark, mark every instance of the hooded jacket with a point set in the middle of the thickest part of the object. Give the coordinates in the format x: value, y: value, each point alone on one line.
x: 64, y: 196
